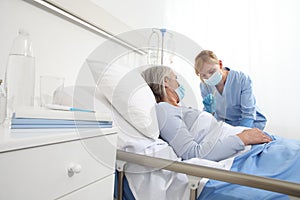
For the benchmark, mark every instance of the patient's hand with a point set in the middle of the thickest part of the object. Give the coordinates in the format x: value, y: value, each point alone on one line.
x: 253, y: 136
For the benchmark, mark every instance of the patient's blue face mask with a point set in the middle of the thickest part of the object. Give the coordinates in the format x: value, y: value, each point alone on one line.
x: 214, y: 79
x: 180, y: 91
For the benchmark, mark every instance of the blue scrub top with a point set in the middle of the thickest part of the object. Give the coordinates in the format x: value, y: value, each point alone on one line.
x: 237, y: 100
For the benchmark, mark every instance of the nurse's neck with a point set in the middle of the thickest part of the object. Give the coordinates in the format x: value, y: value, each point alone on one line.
x: 220, y: 86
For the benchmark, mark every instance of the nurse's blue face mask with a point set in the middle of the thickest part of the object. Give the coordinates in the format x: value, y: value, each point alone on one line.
x: 214, y: 79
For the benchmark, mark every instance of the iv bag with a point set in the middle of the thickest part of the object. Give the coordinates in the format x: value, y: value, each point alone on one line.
x: 153, y: 49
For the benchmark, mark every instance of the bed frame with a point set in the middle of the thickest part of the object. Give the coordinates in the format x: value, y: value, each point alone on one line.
x: 194, y: 171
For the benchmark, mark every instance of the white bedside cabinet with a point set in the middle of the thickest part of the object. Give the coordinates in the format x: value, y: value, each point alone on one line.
x: 57, y: 164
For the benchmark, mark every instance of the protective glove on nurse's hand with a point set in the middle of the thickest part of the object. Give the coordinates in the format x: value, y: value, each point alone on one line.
x: 209, y: 103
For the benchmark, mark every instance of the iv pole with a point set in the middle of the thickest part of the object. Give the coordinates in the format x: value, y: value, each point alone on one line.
x: 163, y: 31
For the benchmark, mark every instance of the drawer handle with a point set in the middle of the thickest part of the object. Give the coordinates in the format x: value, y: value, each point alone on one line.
x: 74, y: 169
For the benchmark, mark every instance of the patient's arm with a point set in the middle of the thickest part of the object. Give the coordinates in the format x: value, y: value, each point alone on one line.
x: 232, y: 144
x: 186, y: 147
x: 225, y: 148
x: 253, y: 136
x: 174, y: 130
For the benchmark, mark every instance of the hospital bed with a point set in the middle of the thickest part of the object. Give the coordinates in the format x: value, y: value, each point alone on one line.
x: 145, y: 162
x: 195, y: 171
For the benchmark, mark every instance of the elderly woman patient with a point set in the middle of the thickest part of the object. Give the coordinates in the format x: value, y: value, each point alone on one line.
x: 195, y: 133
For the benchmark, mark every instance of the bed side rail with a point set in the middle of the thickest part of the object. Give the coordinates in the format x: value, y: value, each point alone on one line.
x: 271, y: 184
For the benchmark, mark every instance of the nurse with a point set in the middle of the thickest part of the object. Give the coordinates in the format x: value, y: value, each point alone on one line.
x: 227, y: 93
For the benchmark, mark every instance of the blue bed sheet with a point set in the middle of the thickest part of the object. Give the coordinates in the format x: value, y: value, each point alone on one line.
x: 278, y: 159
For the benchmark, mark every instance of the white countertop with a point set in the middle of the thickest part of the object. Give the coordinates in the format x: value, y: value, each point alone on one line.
x: 13, y: 139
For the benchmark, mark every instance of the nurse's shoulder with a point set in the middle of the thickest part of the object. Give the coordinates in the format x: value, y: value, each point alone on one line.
x: 239, y: 76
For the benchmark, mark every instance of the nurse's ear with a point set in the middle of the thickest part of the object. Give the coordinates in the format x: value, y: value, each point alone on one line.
x: 221, y: 64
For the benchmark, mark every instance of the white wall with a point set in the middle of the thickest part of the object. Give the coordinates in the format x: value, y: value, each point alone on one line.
x: 259, y: 37
x: 59, y: 46
x: 138, y: 13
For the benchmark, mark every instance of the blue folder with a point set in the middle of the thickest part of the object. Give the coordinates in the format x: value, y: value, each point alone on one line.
x: 49, y: 126
x: 40, y: 123
x: 36, y: 121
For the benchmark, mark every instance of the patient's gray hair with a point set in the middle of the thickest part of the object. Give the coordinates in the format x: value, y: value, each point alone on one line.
x: 155, y: 76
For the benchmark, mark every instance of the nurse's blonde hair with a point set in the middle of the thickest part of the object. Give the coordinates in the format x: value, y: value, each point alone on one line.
x: 155, y: 77
x: 205, y: 56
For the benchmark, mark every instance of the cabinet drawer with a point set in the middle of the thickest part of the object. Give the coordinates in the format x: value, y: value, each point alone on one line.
x: 100, y: 190
x: 42, y: 172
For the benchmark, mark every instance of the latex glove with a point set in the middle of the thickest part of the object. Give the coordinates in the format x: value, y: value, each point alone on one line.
x: 247, y: 122
x: 209, y: 103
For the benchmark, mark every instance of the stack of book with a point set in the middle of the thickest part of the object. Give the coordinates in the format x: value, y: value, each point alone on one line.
x: 47, y: 119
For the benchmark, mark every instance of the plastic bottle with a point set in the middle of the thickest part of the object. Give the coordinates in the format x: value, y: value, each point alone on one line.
x: 20, y: 74
x: 2, y: 102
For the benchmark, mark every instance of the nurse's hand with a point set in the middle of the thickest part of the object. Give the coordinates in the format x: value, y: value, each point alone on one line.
x: 253, y: 136
x: 209, y: 103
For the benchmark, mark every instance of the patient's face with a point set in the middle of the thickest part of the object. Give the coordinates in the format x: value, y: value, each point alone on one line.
x: 172, y: 81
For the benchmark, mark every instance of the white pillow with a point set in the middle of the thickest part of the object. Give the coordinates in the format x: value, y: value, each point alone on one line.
x: 130, y: 95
